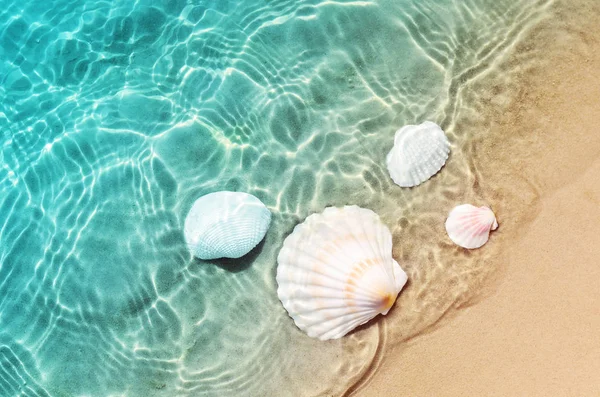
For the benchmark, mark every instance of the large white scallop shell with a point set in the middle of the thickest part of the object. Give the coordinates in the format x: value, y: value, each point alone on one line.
x: 419, y: 152
x: 225, y: 225
x: 469, y: 226
x: 336, y: 271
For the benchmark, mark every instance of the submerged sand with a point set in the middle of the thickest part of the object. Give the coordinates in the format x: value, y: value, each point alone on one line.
x: 533, y: 331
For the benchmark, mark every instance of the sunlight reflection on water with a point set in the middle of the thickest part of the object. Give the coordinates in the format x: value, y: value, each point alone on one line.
x: 118, y: 115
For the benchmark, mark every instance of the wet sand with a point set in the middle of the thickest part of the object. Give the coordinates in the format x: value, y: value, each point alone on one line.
x: 533, y: 331
x: 537, y: 335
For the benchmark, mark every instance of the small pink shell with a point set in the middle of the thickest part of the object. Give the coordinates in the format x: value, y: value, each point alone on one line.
x: 469, y: 226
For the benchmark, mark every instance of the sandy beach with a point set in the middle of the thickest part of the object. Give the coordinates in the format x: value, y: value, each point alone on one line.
x: 533, y: 331
x: 117, y: 117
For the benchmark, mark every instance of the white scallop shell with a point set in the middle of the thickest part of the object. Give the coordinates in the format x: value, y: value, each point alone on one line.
x: 225, y: 225
x: 336, y: 271
x: 469, y: 226
x: 419, y: 152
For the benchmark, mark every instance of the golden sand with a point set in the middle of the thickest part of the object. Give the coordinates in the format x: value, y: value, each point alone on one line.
x: 535, y: 329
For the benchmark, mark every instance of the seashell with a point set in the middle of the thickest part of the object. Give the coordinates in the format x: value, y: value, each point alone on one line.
x: 336, y: 271
x: 469, y: 226
x: 225, y: 225
x: 419, y: 152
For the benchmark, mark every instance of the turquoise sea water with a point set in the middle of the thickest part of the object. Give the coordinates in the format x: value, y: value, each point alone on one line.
x: 116, y: 115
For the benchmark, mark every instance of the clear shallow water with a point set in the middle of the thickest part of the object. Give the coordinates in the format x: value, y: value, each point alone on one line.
x: 116, y: 116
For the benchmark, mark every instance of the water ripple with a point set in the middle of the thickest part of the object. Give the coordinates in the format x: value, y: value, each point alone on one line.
x: 117, y: 115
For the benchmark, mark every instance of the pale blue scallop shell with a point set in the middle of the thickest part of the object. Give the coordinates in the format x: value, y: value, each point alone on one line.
x: 225, y: 225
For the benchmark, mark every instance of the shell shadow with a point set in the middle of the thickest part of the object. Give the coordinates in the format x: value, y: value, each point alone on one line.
x: 236, y: 265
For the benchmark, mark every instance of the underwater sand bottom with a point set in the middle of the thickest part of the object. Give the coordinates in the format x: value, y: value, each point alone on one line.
x: 534, y: 329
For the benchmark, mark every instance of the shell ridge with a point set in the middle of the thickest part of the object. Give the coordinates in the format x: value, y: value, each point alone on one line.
x: 340, y: 254
x: 335, y: 309
x: 338, y: 284
x: 368, y: 231
x: 334, y: 287
x: 340, y: 321
x: 362, y: 244
x: 384, y: 239
x: 475, y: 223
x: 329, y: 316
x: 371, y: 302
x: 338, y: 248
x: 375, y: 248
x: 345, y: 328
x: 465, y: 213
x: 372, y: 231
x: 307, y: 259
x: 342, y: 326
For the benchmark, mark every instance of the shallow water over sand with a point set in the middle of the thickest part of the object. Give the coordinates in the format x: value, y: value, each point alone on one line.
x: 116, y: 116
